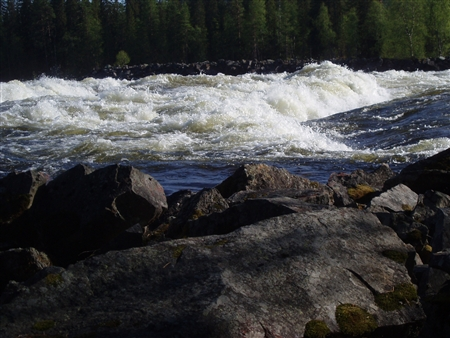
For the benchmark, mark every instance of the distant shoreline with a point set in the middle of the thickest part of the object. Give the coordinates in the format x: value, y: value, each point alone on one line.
x: 229, y: 67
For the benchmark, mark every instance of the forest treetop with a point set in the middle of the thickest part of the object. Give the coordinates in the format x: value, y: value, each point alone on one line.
x: 72, y: 37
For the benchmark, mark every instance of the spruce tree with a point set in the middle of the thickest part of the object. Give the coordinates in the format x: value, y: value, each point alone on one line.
x: 325, y: 34
x: 256, y: 28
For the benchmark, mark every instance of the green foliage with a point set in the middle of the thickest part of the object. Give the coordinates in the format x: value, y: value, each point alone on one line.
x: 354, y: 321
x: 406, y: 29
x: 122, y: 58
x: 325, y: 32
x: 438, y: 26
x: 79, y: 35
x: 401, y: 296
x: 316, y: 329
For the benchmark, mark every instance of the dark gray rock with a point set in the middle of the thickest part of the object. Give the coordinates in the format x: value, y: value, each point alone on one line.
x: 317, y: 196
x: 266, y: 279
x: 441, y: 260
x: 255, y: 177
x: 432, y: 173
x: 204, y: 203
x: 246, y: 213
x: 21, y: 264
x: 434, y: 289
x: 17, y: 191
x: 81, y: 210
x: 441, y: 237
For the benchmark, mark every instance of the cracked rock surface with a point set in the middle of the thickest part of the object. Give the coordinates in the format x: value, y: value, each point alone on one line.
x: 218, y: 286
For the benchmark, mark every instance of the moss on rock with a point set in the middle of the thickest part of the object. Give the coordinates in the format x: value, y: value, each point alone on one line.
x: 402, y: 295
x: 359, y: 191
x: 44, y: 325
x: 316, y: 329
x: 354, y: 321
x: 54, y: 279
x: 396, y: 256
x: 178, y: 251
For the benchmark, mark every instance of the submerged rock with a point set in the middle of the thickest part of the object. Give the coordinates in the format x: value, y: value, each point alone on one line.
x: 267, y: 279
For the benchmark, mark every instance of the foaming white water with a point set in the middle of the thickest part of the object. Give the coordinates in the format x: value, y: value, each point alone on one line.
x: 194, y: 117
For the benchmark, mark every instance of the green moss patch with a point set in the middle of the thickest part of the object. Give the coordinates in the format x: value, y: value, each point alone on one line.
x: 402, y: 295
x: 359, y: 191
x: 197, y: 214
x: 354, y: 321
x: 396, y: 256
x: 178, y: 251
x: 316, y: 329
x: 44, y: 325
x: 54, y: 279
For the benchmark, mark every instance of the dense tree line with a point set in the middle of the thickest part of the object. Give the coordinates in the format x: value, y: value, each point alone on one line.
x: 75, y: 36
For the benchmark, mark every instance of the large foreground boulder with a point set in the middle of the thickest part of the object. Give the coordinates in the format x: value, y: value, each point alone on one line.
x: 269, y: 279
x: 81, y: 210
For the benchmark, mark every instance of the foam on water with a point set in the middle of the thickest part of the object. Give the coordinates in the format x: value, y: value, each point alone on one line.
x: 167, y: 117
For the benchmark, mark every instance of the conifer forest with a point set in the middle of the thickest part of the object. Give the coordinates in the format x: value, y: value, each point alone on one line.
x: 72, y: 37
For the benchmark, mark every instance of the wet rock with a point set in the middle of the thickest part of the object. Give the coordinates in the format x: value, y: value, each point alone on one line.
x: 17, y: 191
x: 266, y: 279
x: 20, y: 264
x: 81, y: 210
x: 432, y: 173
x: 255, y: 177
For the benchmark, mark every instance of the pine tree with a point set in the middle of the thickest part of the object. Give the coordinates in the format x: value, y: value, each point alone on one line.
x: 43, y: 30
x: 256, y: 28
x: 199, y: 37
x: 273, y: 30
x: 373, y: 29
x: 288, y: 28
x: 325, y: 34
x: 349, y: 34
x: 233, y: 30
x: 304, y: 28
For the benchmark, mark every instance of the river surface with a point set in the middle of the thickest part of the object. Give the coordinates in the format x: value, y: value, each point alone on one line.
x: 192, y: 132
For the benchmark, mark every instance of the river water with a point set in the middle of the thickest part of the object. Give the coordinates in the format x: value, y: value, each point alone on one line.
x: 192, y: 132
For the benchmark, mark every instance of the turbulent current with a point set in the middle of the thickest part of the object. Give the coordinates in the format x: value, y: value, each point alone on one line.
x: 191, y: 132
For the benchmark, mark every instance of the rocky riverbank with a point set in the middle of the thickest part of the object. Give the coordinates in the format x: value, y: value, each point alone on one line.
x: 240, y: 67
x: 104, y: 253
